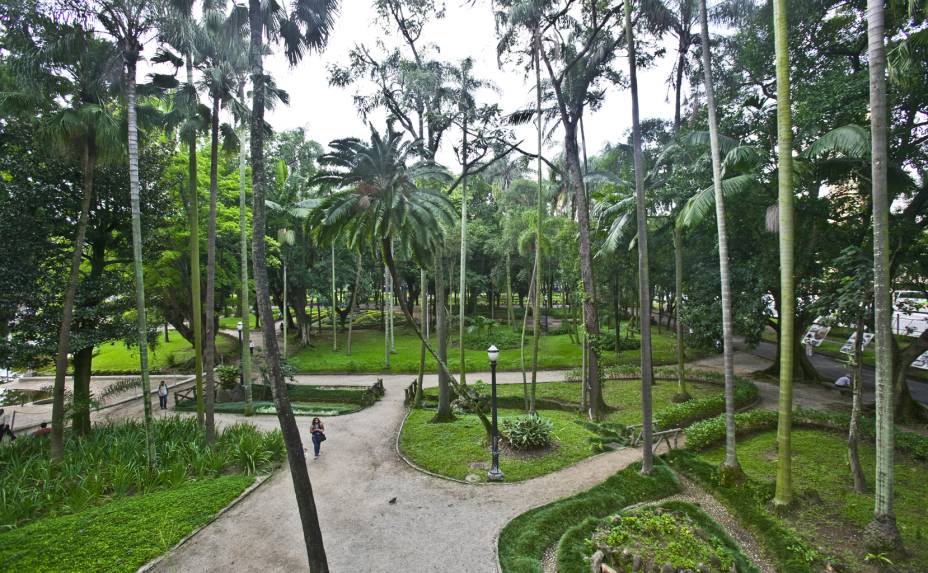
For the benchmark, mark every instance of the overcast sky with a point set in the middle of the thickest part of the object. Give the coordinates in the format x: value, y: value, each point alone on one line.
x: 467, y: 29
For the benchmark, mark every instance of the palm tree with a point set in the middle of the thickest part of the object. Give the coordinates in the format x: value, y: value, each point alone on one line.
x: 381, y: 198
x: 245, y: 350
x: 644, y: 296
x: 305, y: 27
x: 730, y: 467
x: 783, y: 496
x: 219, y: 44
x: 81, y: 70
x: 881, y: 532
x: 539, y: 216
x: 127, y: 21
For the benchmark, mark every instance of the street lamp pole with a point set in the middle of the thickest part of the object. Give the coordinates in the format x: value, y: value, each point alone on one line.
x: 494, y: 474
x: 241, y: 344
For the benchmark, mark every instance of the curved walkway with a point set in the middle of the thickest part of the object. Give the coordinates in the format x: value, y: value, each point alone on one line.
x: 433, y: 524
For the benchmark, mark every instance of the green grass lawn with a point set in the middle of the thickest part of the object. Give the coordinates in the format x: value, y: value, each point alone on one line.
x: 449, y: 449
x: 829, y: 513
x: 121, y: 535
x: 117, y: 358
x: 555, y: 351
x: 231, y: 322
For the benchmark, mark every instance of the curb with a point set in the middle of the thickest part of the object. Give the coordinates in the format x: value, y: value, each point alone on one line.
x: 241, y: 497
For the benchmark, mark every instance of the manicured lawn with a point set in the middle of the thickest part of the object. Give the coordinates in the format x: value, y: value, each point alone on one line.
x: 449, y: 449
x: 117, y: 358
x: 231, y: 322
x: 120, y: 535
x: 829, y: 513
x: 555, y: 351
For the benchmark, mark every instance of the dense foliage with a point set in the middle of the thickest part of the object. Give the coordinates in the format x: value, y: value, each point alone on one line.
x: 527, y: 432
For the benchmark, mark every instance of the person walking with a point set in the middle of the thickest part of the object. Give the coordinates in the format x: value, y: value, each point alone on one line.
x: 163, y: 395
x: 317, y: 429
x: 6, y: 428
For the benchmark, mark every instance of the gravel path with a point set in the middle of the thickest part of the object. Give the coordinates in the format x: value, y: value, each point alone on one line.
x: 434, y: 524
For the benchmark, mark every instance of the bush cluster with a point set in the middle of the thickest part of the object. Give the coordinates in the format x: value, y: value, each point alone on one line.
x: 111, y: 462
x: 502, y: 337
x: 706, y: 433
x: 528, y: 432
x: 683, y: 414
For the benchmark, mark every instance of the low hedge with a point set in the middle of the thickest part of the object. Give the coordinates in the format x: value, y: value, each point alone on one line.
x: 267, y: 407
x: 685, y: 413
x: 360, y: 395
x: 706, y: 433
x: 790, y: 552
x: 524, y: 540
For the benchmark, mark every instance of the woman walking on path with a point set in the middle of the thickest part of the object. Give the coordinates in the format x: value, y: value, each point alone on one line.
x: 163, y: 395
x: 317, y: 429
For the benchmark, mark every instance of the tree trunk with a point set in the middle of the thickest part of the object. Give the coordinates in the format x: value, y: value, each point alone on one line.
x: 423, y: 324
x: 352, y: 309
x: 243, y: 244
x: 387, y: 287
x: 309, y: 519
x: 682, y: 394
x: 80, y: 416
x: 193, y: 215
x: 644, y: 297
x: 510, y: 316
x: 209, y: 355
x: 88, y: 161
x: 857, y: 472
x: 134, y: 188
x: 463, y: 273
x: 784, y: 488
x: 444, y: 413
x: 730, y: 467
x: 881, y: 533
x: 334, y: 310
x: 539, y: 222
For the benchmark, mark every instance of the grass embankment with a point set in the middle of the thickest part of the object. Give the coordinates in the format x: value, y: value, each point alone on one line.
x: 829, y: 514
x: 115, y: 358
x: 555, y: 351
x: 119, y: 536
x: 524, y: 540
x: 427, y: 444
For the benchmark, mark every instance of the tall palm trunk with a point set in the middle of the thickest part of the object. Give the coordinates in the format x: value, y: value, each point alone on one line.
x: 354, y: 301
x: 730, y: 467
x: 644, y: 297
x: 463, y: 275
x: 334, y: 310
x: 783, y: 496
x: 529, y: 406
x: 193, y: 217
x: 881, y: 532
x: 682, y: 394
x: 302, y: 487
x: 443, y: 413
x: 209, y: 353
x: 67, y: 312
x: 539, y: 219
x: 243, y: 239
x: 134, y: 188
x: 509, y: 312
x: 387, y: 294
x: 424, y: 325
x: 283, y: 307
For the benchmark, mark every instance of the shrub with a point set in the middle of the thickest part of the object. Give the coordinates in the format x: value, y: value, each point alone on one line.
x: 228, y: 377
x: 685, y: 413
x: 528, y: 432
x: 502, y: 337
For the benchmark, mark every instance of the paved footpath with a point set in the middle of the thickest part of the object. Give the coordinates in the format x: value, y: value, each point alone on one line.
x: 434, y: 525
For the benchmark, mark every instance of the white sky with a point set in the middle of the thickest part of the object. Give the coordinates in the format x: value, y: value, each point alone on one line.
x: 328, y: 113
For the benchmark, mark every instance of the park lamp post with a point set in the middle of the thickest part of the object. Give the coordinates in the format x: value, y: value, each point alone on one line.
x: 494, y: 474
x: 241, y: 359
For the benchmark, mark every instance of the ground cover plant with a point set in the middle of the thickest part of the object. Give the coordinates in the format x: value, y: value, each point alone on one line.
x: 524, y: 540
x: 108, y: 464
x: 677, y: 535
x: 121, y: 535
x: 829, y: 513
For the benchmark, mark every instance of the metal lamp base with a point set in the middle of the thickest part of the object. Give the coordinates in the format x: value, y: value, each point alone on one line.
x: 495, y: 475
